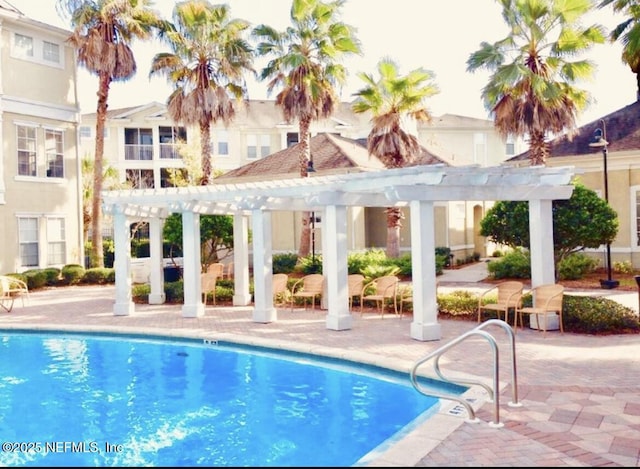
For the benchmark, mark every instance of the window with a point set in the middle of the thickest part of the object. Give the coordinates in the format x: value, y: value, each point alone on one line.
x: 635, y: 213
x: 510, y: 149
x: 265, y: 145
x: 292, y: 138
x: 170, y: 138
x: 167, y: 173
x: 138, y: 144
x: 23, y: 45
x: 28, y: 241
x: 479, y: 148
x: 51, y: 52
x: 56, y: 253
x: 26, y: 141
x: 223, y: 142
x: 54, y: 153
x: 252, y: 147
x: 140, y: 178
x: 85, y: 131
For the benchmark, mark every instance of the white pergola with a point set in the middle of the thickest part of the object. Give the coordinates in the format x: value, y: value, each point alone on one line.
x: 417, y: 187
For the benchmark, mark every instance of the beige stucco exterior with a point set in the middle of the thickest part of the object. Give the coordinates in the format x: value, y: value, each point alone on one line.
x: 40, y: 200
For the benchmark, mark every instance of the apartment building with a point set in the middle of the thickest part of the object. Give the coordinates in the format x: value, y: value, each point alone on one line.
x: 40, y: 194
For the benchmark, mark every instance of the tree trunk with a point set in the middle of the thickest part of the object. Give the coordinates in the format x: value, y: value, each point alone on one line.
x: 304, y: 158
x: 205, y: 142
x: 97, y: 252
x: 394, y: 222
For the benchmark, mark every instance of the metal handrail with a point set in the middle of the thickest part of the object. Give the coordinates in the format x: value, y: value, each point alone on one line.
x: 494, y: 394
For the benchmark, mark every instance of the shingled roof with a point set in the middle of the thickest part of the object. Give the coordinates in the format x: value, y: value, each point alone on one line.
x: 330, y: 154
x: 622, y: 129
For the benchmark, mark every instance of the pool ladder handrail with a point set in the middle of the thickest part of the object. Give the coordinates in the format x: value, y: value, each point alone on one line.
x: 494, y: 392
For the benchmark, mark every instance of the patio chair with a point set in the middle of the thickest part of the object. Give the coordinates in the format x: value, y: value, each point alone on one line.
x: 208, y: 282
x: 13, y: 287
x: 509, y: 298
x: 308, y: 287
x: 355, y: 284
x: 386, y: 290
x: 546, y: 299
x: 6, y: 300
x: 217, y: 268
x: 280, y: 292
x: 228, y: 271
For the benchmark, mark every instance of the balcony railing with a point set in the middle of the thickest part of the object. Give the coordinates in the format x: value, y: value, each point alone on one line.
x: 169, y: 151
x: 138, y: 152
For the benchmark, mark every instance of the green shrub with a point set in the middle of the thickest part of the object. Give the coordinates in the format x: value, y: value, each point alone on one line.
x: 595, y: 315
x: 404, y: 264
x: 174, y: 292
x: 35, y: 278
x: 310, y: 265
x: 284, y: 263
x: 72, y: 274
x: 624, y: 267
x: 53, y: 275
x: 458, y: 303
x: 576, y: 266
x: 98, y: 276
x: 515, y: 264
x: 140, y: 293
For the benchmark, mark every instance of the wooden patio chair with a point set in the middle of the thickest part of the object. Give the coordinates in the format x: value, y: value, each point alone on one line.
x: 208, y: 282
x: 386, y: 290
x: 217, y: 268
x: 509, y: 299
x: 280, y: 291
x: 355, y: 284
x: 308, y: 287
x: 546, y: 299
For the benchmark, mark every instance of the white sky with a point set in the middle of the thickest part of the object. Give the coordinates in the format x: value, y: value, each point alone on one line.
x: 438, y: 35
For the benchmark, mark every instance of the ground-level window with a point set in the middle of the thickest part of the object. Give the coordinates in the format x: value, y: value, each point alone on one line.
x: 28, y: 241
x: 140, y: 178
x: 56, y: 244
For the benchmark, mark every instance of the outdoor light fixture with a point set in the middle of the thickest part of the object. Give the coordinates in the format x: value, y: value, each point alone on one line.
x: 599, y: 140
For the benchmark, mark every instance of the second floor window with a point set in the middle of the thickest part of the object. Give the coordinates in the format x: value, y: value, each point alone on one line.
x: 258, y: 146
x: 54, y: 153
x: 222, y: 137
x: 23, y: 45
x: 27, y: 145
x: 138, y: 144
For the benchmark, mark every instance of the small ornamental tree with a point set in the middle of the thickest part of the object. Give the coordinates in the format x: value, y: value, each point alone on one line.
x: 580, y: 222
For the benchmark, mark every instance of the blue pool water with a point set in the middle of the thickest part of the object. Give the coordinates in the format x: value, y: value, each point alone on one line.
x: 92, y: 400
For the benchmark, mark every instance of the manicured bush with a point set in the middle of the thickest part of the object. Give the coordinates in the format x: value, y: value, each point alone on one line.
x: 515, y: 264
x: 72, y: 274
x: 576, y: 266
x: 284, y: 263
x: 35, y: 278
x: 458, y: 303
x: 595, y: 315
x: 53, y: 275
x: 174, y: 292
x: 99, y: 276
x: 140, y: 293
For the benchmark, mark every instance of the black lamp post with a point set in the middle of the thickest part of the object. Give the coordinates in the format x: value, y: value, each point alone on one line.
x: 600, y: 141
x: 311, y: 169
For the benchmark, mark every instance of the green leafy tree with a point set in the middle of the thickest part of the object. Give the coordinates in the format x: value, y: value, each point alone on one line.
x: 580, y: 222
x: 397, y: 103
x: 628, y: 33
x: 305, y: 63
x: 206, y: 67
x: 103, y: 31
x: 531, y: 92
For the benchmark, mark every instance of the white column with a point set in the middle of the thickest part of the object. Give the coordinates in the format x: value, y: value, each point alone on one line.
x: 334, y: 267
x: 264, y: 311
x: 241, y: 294
x: 193, y: 306
x: 541, y: 245
x: 123, y: 305
x: 425, y: 325
x: 157, y: 295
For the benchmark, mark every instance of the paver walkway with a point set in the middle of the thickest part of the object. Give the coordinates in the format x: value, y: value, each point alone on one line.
x: 579, y: 394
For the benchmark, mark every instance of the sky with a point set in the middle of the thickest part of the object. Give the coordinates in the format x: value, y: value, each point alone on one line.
x: 437, y: 35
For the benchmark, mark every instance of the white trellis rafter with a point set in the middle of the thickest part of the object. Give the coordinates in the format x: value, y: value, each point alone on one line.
x: 417, y: 187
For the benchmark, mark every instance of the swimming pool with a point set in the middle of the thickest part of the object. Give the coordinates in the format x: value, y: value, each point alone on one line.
x: 104, y: 400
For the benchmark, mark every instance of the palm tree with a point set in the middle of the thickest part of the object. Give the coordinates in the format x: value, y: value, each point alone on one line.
x: 628, y: 32
x: 531, y: 92
x: 102, y: 34
x: 305, y: 62
x: 206, y: 67
x: 396, y: 103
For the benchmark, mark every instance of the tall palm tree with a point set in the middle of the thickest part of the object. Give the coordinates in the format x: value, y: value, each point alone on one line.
x: 206, y: 67
x: 103, y: 31
x: 305, y: 63
x: 396, y: 103
x: 628, y: 32
x: 531, y: 92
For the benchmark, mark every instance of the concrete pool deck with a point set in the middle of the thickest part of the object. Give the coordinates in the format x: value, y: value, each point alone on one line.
x: 580, y: 394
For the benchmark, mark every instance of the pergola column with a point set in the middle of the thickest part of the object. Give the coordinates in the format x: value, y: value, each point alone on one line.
x: 264, y: 311
x: 241, y: 295
x: 192, y: 268
x: 157, y: 295
x: 334, y: 267
x: 123, y: 305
